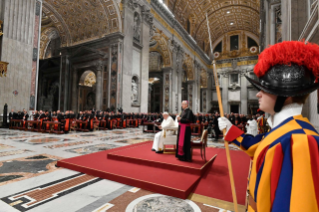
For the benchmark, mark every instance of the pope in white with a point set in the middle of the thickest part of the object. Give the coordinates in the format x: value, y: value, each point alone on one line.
x: 251, y: 127
x: 167, y: 124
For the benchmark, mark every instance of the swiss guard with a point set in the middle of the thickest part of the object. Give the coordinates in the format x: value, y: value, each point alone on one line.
x: 285, y: 170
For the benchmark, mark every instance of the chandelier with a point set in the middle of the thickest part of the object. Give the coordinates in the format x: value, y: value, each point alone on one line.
x: 3, y: 65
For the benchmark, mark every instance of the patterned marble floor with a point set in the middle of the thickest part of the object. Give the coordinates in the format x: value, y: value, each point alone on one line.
x: 29, y: 180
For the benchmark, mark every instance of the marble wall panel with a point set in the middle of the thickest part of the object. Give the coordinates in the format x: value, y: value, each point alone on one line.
x: 17, y: 50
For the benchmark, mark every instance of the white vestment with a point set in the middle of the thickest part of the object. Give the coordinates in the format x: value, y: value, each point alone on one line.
x: 252, y: 127
x: 167, y: 124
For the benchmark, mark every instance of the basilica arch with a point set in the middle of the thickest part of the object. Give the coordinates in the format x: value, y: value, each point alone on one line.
x: 161, y: 45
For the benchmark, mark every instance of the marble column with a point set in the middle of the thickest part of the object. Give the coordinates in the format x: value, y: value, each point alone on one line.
x: 128, y: 53
x: 146, y: 34
x: 224, y: 92
x: 167, y: 89
x: 243, y: 93
x: 209, y: 92
x: 115, y: 77
x: 19, y: 47
x: 99, y: 91
x: 64, y: 82
x: 177, y: 53
x: 203, y: 99
x: 190, y: 88
x: 196, y: 92
x: 74, y: 89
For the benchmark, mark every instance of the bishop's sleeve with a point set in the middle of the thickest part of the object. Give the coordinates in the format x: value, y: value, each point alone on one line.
x: 188, y: 117
x: 247, y: 143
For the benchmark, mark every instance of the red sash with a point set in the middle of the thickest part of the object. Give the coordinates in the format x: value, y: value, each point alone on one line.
x: 67, y: 125
x: 181, y: 138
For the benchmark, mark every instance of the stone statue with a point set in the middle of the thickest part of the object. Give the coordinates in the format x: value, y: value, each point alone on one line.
x: 134, y: 91
x: 137, y: 27
x: 90, y: 101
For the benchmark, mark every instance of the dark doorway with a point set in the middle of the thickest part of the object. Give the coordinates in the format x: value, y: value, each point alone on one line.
x: 155, y: 98
x: 234, y: 108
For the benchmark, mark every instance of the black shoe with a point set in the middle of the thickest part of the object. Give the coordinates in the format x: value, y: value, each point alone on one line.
x: 159, y: 152
x: 153, y: 150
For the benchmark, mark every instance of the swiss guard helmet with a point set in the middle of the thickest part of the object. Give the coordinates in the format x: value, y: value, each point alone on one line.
x: 287, y: 69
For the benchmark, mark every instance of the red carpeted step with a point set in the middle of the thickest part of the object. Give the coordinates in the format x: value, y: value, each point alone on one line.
x: 215, y: 183
x: 164, y: 181
x: 143, y: 155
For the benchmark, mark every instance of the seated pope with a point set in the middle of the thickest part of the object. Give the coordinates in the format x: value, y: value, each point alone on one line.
x: 167, y: 125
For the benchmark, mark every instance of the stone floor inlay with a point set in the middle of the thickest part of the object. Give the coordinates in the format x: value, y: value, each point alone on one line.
x: 3, y: 146
x: 133, y: 140
x: 68, y: 144
x: 27, y: 167
x: 14, y: 152
x: 34, y: 197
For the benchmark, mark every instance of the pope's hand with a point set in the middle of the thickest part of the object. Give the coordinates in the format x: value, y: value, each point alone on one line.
x: 224, y: 123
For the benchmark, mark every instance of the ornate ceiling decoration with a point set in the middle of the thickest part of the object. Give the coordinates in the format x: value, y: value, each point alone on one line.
x: 224, y: 16
x: 79, y: 21
x: 46, y: 35
x: 160, y: 43
x: 188, y: 66
x: 203, y: 78
x: 88, y: 79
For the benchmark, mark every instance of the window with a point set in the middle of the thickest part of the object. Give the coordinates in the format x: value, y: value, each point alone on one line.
x: 218, y: 48
x: 233, y: 42
x: 251, y: 43
x: 234, y: 79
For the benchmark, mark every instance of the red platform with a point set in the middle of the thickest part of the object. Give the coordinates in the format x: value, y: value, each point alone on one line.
x: 138, y: 166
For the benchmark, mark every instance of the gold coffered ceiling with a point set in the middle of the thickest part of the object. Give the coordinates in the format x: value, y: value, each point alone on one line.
x: 78, y: 21
x: 224, y: 16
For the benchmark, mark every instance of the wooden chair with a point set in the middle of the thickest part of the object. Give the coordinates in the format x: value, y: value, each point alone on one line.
x: 73, y: 126
x: 201, y: 145
x: 96, y: 125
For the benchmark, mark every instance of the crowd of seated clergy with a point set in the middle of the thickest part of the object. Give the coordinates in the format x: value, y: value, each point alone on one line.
x: 107, y: 120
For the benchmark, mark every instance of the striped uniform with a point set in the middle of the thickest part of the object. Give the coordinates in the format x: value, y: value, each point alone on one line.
x: 285, y: 172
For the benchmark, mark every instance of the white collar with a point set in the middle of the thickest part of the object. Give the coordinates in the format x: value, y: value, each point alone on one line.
x: 287, y: 111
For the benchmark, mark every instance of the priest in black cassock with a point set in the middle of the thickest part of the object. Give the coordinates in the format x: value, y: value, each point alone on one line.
x: 183, y: 146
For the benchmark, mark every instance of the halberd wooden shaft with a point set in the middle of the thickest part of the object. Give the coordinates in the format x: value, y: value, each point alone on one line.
x: 221, y: 112
x: 230, y: 168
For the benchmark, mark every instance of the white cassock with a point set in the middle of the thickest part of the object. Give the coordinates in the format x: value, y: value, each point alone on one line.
x: 252, y: 127
x: 167, y: 124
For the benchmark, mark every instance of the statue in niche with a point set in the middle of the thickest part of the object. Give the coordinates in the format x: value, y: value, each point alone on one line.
x: 134, y: 91
x: 53, y: 88
x: 137, y: 27
x: 90, y: 102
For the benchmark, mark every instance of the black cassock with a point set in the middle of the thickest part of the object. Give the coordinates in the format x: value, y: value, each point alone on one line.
x: 183, y: 145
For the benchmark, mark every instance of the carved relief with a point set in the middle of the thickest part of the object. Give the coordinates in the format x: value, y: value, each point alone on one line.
x: 166, y: 91
x: 189, y: 64
x: 162, y: 46
x: 278, y: 25
x: 137, y: 27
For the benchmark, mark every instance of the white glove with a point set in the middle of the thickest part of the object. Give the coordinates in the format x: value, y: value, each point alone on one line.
x: 224, y: 123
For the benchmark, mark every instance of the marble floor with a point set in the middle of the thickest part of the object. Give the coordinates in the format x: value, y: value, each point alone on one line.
x: 29, y: 180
